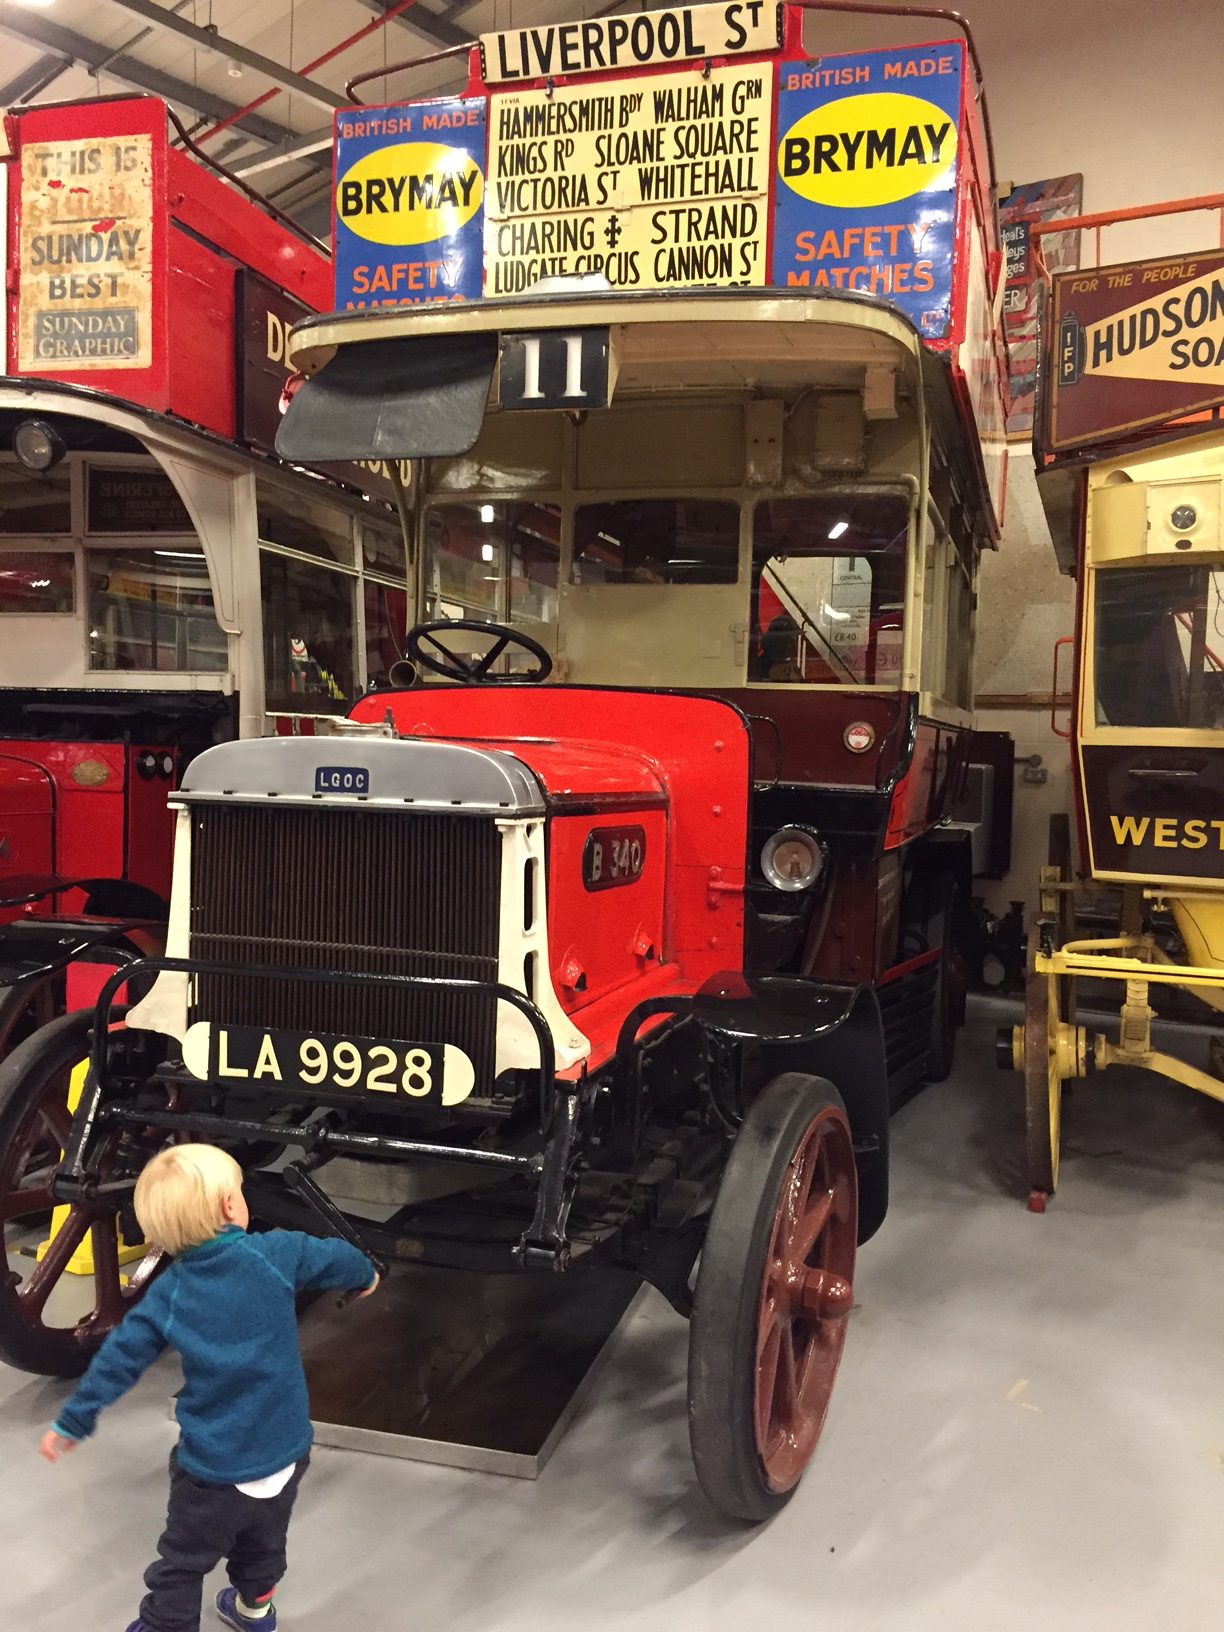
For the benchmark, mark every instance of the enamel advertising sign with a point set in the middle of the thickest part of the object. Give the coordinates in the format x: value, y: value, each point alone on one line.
x: 1036, y: 201
x: 867, y: 157
x: 408, y: 204
x: 1135, y: 345
x: 86, y: 255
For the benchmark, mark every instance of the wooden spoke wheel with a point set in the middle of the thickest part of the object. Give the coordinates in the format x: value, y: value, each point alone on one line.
x: 1043, y: 1088
x: 52, y: 1322
x: 24, y: 1008
x: 773, y: 1292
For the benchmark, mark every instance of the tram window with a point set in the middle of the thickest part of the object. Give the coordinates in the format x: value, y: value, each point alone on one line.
x: 35, y: 504
x: 1159, y: 657
x: 823, y: 615
x: 656, y: 541
x: 382, y: 551
x: 152, y: 609
x: 305, y: 524
x: 308, y: 636
x: 43, y: 582
x: 498, y: 563
x: 129, y: 499
x: 386, y: 613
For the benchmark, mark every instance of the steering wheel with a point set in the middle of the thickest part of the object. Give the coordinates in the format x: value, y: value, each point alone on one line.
x: 451, y: 666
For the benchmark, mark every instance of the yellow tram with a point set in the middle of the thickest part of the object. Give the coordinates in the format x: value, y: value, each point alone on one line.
x: 1130, y: 451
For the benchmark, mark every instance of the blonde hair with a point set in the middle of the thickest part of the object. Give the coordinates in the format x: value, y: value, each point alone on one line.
x: 178, y: 1195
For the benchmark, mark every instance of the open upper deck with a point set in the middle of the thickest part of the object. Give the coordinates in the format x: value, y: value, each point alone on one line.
x: 648, y: 159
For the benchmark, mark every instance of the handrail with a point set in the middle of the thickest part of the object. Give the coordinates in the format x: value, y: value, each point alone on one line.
x: 944, y: 15
x: 1063, y: 640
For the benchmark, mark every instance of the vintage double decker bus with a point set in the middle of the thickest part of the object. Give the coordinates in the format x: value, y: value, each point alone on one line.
x: 607, y: 931
x: 165, y: 582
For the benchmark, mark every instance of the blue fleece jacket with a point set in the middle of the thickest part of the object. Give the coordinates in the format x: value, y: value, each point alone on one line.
x: 228, y: 1308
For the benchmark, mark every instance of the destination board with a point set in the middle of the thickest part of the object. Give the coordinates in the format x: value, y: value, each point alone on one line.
x: 86, y: 254
x: 655, y: 184
x: 603, y: 45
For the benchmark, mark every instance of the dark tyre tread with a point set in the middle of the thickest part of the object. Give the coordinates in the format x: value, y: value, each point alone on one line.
x: 723, y: 1333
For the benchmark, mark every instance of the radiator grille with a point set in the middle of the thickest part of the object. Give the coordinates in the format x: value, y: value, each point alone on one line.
x: 329, y: 887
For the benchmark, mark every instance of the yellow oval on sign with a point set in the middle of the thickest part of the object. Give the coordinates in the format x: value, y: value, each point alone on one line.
x: 413, y: 193
x: 865, y: 150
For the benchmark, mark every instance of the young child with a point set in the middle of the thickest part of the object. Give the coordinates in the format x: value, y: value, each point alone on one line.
x: 227, y: 1305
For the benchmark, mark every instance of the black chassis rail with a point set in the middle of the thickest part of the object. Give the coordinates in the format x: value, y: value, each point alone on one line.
x: 544, y: 1244
x: 734, y: 1009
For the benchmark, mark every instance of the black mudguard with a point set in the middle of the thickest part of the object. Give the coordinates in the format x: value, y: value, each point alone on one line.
x: 851, y: 1056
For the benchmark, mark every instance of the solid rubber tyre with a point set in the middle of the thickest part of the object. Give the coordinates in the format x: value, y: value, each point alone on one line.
x: 735, y: 1312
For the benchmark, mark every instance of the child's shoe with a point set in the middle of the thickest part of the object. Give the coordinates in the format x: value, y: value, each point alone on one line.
x: 140, y: 1626
x: 227, y: 1608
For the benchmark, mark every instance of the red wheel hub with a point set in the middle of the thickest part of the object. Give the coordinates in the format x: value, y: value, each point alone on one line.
x: 806, y: 1295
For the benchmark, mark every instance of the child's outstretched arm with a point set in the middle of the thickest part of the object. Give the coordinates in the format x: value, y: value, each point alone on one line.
x: 314, y: 1265
x: 119, y: 1364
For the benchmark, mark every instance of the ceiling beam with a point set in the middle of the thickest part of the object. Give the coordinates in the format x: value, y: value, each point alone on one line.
x: 423, y: 21
x: 291, y: 152
x: 211, y: 40
x: 19, y: 23
x: 30, y: 81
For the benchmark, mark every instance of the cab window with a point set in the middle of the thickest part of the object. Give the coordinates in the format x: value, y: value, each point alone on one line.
x: 494, y: 562
x: 152, y: 608
x: 1160, y: 647
x: 828, y: 590
x: 656, y: 541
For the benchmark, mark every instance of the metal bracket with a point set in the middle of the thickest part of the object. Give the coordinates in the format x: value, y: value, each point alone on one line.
x: 545, y: 1245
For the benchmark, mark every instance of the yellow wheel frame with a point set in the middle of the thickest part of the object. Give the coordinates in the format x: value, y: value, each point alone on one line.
x: 1043, y: 1083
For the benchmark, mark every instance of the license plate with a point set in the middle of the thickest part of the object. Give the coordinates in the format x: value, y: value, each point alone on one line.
x: 315, y: 1062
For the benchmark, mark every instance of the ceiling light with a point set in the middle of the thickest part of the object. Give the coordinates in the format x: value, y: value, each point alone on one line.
x: 486, y: 515
x: 233, y: 67
x: 838, y: 528
x: 486, y: 552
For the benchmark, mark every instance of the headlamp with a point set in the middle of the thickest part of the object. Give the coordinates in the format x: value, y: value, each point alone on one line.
x: 793, y: 859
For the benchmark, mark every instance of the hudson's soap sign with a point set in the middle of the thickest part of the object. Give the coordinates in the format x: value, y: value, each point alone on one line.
x: 1136, y: 345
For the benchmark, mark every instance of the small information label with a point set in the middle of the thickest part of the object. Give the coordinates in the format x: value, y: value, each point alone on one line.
x: 342, y: 779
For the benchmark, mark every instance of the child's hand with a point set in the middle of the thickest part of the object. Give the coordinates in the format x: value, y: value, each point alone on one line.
x: 52, y: 1445
x: 373, y: 1287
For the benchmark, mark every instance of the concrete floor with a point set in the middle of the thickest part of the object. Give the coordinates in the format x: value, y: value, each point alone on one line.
x: 1027, y: 1430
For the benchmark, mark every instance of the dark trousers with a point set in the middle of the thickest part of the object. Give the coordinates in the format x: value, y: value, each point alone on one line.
x: 205, y: 1524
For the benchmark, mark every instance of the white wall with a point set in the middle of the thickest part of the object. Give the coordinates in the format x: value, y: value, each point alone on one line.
x: 1127, y: 93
